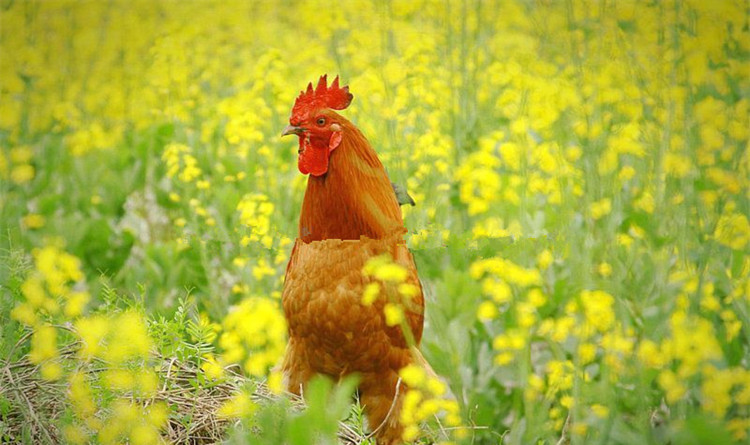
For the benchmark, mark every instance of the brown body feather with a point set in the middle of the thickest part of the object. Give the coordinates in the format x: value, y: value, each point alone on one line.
x: 350, y: 215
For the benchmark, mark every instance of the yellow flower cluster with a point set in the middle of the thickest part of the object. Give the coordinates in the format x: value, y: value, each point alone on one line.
x: 253, y: 335
x: 733, y: 229
x: 255, y: 211
x: 239, y: 406
x: 390, y: 282
x: 425, y: 397
x: 181, y: 162
x: 506, y: 270
x: 122, y: 341
x: 55, y: 282
x: 17, y: 166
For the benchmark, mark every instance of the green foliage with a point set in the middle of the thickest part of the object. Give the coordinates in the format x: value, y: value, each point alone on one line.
x: 317, y: 424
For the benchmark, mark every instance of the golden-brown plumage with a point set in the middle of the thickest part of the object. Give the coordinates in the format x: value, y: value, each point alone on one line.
x: 349, y: 215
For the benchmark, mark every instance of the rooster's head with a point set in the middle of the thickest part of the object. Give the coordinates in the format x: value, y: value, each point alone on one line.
x: 317, y: 125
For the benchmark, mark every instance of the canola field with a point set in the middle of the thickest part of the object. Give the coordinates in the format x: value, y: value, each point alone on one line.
x: 581, y: 172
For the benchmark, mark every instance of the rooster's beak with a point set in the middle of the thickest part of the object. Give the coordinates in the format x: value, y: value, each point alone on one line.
x: 291, y: 129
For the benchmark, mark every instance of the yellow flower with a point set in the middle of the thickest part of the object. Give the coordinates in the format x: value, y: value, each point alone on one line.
x: 645, y: 203
x: 33, y: 291
x: 25, y: 313
x: 408, y: 290
x: 624, y: 240
x: 412, y: 375
x: 383, y: 268
x: 33, y: 221
x: 254, y: 330
x: 75, y: 434
x: 626, y: 173
x: 738, y: 427
x: 263, y: 269
x: 597, y: 307
x: 275, y: 382
x: 566, y: 402
x: 119, y: 379
x: 21, y: 155
x: 50, y: 371
x: 677, y: 165
x: 499, y: 290
x: 673, y: 386
x: 370, y: 294
x: 212, y: 368
x: 394, y: 314
x: 238, y: 406
x: 435, y: 386
x: 604, y: 269
x: 578, y: 428
x: 410, y: 433
x: 560, y: 375
x: 586, y: 353
x: 92, y: 331
x: 600, y: 411
x: 536, y: 297
x: 129, y: 340
x: 544, y: 259
x: 506, y: 270
x: 255, y: 213
x: 600, y: 208
x: 75, y: 304
x: 733, y: 230
x: 650, y: 355
x: 146, y: 382
x: 487, y: 311
x: 43, y: 344
x: 503, y: 358
x: 21, y: 174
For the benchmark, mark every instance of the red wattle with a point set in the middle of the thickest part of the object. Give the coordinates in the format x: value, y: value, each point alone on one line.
x: 313, y: 160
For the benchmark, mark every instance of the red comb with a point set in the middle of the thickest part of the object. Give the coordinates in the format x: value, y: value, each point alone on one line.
x: 322, y: 96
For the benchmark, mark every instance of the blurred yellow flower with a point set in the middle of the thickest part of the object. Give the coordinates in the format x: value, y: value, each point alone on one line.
x: 487, y: 311
x: 545, y: 259
x: 33, y: 221
x: 733, y: 230
x: 238, y: 406
x: 43, y: 344
x: 674, y: 387
x: 600, y: 208
x: 21, y: 174
x: 597, y: 308
x: 394, y: 314
x: 371, y: 293
x: 212, y: 368
x: 604, y: 269
x: 254, y: 333
x: 383, y: 268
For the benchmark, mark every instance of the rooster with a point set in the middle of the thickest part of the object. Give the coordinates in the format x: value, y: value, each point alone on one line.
x: 350, y: 214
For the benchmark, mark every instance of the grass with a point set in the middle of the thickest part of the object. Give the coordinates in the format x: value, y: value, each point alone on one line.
x: 581, y: 228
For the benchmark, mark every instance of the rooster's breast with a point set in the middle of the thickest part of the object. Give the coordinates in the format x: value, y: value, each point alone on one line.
x: 322, y: 299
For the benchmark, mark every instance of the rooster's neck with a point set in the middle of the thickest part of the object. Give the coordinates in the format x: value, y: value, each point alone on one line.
x: 353, y: 198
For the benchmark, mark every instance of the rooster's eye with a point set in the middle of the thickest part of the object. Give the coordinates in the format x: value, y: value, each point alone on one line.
x: 321, y: 121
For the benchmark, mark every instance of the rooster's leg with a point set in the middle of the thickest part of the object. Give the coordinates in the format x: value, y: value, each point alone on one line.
x: 382, y: 395
x: 295, y: 369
